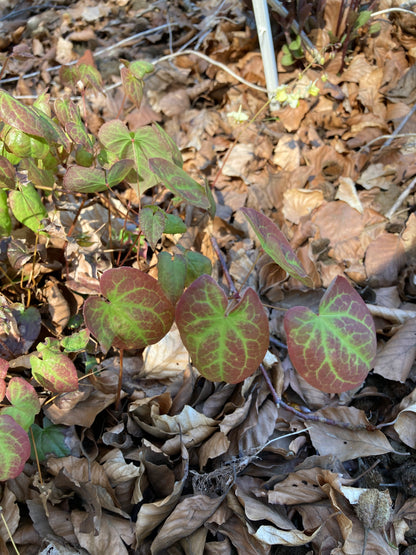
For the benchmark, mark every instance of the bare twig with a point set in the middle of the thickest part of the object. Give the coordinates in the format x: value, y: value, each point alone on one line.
x: 401, y: 198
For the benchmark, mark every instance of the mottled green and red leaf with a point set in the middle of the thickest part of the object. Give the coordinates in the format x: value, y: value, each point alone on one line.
x: 226, y: 343
x: 335, y: 350
x: 275, y: 244
x: 15, y: 448
x: 136, y: 314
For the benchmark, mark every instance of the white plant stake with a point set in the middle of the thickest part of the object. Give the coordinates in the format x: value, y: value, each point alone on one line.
x: 261, y: 13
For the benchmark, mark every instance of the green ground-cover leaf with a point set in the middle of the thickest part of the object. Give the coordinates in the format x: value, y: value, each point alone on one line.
x: 24, y: 402
x: 7, y: 174
x: 226, y: 344
x: 133, y: 86
x: 335, y: 350
x: 49, y: 440
x: 14, y: 448
x: 24, y: 145
x: 31, y: 121
x: 55, y: 371
x: 171, y: 274
x: 145, y: 143
x: 179, y: 182
x: 136, y: 314
x: 5, y: 219
x: 80, y: 179
x: 275, y: 244
x: 27, y: 207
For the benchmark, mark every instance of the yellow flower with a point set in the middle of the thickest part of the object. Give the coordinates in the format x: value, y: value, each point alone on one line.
x: 238, y: 117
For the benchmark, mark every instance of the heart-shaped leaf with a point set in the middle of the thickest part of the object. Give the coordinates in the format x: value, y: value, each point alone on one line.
x: 55, y: 371
x: 226, y: 342
x: 275, y: 244
x: 27, y: 207
x: 24, y: 401
x: 137, y: 312
x: 80, y: 179
x: 179, y: 182
x: 333, y: 351
x: 14, y: 448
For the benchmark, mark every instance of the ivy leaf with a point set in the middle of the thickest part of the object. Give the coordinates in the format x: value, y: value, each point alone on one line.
x: 275, y: 244
x: 335, y: 350
x: 137, y: 312
x: 226, y: 342
x: 5, y: 220
x: 15, y: 448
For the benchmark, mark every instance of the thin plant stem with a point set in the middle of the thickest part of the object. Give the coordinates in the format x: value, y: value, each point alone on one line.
x: 311, y: 417
x: 36, y: 455
x: 8, y: 531
x: 233, y: 290
x: 120, y: 380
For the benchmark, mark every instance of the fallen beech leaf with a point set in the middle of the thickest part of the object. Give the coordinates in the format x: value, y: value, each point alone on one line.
x: 298, y: 203
x: 188, y: 516
x: 396, y: 358
x: 273, y: 536
x: 348, y: 193
x: 347, y: 444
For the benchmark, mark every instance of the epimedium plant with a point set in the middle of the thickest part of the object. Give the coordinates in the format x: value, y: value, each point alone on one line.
x: 227, y: 337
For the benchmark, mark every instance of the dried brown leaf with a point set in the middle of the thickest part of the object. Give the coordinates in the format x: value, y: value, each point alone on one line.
x: 113, y: 536
x: 347, y: 444
x: 188, y: 516
x: 396, y: 358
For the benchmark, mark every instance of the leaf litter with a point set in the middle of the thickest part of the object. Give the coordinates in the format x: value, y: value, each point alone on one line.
x: 187, y: 465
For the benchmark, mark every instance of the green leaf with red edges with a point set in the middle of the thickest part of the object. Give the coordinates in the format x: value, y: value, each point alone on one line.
x: 24, y: 145
x: 24, y: 401
x: 333, y: 351
x: 133, y: 87
x: 145, y: 143
x: 152, y: 223
x: 275, y: 244
x: 226, y: 342
x: 55, y: 371
x: 7, y: 174
x: 136, y: 314
x: 14, y: 448
x: 31, y: 121
x: 179, y: 182
x: 94, y: 180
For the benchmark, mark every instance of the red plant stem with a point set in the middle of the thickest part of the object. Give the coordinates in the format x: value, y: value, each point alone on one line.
x: 234, y: 293
x: 310, y: 416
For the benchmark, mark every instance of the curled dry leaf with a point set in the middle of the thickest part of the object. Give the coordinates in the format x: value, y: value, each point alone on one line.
x: 396, y: 358
x: 347, y: 444
x: 188, y: 516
